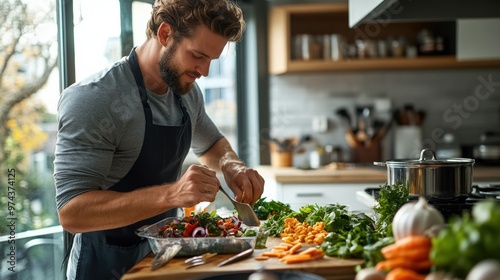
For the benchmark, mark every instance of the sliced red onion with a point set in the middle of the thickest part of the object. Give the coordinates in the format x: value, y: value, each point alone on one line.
x: 234, y: 219
x: 198, y: 232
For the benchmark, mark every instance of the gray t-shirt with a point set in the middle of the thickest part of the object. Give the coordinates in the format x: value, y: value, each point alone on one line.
x: 102, y: 125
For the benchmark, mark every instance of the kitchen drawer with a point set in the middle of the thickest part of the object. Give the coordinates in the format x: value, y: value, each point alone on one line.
x: 298, y: 195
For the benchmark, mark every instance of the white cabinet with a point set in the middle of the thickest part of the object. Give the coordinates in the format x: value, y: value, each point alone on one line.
x: 300, y: 194
x: 477, y: 39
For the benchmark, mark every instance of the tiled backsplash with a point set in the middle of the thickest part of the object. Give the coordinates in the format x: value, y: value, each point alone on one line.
x: 465, y: 102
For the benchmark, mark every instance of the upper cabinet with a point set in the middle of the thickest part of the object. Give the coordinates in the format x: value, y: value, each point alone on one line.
x: 370, y: 11
x: 317, y: 37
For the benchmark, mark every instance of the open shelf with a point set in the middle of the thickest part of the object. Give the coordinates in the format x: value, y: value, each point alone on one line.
x: 286, y: 21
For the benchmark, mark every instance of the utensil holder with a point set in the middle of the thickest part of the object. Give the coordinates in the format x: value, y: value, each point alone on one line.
x: 366, y: 154
x: 279, y: 156
x: 281, y: 159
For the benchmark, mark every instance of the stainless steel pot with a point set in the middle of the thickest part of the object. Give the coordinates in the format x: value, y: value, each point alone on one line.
x: 431, y: 177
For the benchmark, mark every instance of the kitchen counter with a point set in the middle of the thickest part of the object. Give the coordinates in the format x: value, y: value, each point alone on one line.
x: 324, y: 175
x: 329, y: 268
x: 362, y: 174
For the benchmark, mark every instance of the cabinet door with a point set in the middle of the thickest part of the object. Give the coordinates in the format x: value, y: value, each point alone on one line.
x: 298, y: 195
x: 476, y: 39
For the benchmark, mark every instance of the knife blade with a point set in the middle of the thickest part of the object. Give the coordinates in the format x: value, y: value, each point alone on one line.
x: 165, y: 255
x: 237, y: 257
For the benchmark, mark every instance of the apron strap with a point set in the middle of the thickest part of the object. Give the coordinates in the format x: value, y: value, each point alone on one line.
x: 136, y: 70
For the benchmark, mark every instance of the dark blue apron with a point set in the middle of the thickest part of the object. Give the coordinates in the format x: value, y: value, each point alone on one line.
x: 108, y: 254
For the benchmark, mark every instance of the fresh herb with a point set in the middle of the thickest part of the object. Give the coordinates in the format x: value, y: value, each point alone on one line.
x: 274, y: 213
x: 391, y: 198
x: 468, y: 240
x: 265, y: 209
x: 348, y: 233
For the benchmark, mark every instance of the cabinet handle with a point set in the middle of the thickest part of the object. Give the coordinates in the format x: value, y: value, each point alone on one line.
x: 309, y: 194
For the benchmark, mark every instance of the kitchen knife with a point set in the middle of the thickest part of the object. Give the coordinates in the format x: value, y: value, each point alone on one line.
x: 237, y: 257
x: 165, y: 255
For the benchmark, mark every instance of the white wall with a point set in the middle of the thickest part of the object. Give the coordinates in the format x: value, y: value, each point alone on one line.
x: 297, y: 98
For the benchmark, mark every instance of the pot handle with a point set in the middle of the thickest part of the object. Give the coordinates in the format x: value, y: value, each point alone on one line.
x: 428, y: 152
x: 379, y: 163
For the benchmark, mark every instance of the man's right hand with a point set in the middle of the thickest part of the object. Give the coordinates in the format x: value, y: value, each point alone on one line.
x: 199, y: 183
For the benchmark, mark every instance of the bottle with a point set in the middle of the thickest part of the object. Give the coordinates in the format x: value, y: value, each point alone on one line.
x: 315, y: 156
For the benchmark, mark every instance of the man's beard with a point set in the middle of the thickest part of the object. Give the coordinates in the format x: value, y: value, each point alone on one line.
x: 169, y: 71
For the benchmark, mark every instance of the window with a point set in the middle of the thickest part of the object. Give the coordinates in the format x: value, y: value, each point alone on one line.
x: 97, y: 35
x: 31, y: 244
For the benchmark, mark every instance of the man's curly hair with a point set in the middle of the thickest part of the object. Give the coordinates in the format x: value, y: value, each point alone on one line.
x: 222, y: 17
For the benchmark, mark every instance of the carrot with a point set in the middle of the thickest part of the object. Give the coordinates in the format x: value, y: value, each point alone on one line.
x: 415, y: 254
x: 391, y: 264
x: 288, y: 245
x: 281, y: 248
x: 261, y: 258
x: 403, y: 274
x: 294, y: 248
x: 407, y: 243
x: 296, y: 259
x: 274, y: 254
x: 318, y: 254
x: 308, y: 251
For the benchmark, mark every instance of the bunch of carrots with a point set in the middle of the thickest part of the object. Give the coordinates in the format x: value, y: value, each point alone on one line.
x: 289, y: 253
x: 407, y: 258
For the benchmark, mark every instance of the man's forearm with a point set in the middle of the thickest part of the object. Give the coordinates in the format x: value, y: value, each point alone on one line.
x: 219, y: 155
x: 101, y: 210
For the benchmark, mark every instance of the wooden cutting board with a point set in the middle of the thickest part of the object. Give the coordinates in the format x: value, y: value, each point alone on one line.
x: 329, y: 268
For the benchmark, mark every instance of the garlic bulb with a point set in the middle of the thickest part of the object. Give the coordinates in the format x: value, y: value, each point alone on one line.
x: 369, y: 273
x: 488, y: 269
x: 415, y: 219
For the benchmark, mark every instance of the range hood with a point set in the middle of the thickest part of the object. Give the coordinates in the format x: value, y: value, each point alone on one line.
x: 384, y: 11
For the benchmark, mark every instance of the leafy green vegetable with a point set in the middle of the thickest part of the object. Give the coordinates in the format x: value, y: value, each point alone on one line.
x: 274, y: 213
x: 348, y: 231
x: 468, y: 240
x: 350, y: 235
x: 372, y: 252
x: 392, y: 197
x: 265, y: 209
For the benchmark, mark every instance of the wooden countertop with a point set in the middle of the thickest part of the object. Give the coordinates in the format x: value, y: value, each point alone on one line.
x: 329, y: 268
x: 361, y: 174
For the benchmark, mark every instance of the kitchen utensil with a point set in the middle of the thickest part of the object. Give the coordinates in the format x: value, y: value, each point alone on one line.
x: 368, y: 121
x: 409, y: 116
x: 431, y: 177
x: 350, y: 136
x: 381, y: 129
x: 280, y: 275
x: 164, y: 256
x: 245, y: 211
x: 237, y: 257
x: 199, y: 260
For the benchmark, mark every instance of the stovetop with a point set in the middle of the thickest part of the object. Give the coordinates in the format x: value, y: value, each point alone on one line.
x: 457, y: 205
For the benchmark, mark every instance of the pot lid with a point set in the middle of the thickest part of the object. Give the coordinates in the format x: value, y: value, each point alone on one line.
x: 428, y: 158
